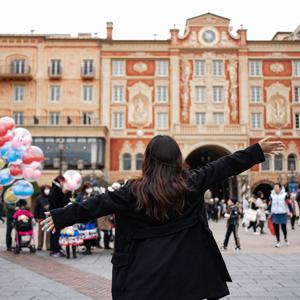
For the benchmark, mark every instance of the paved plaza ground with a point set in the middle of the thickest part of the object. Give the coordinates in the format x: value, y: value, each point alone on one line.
x: 259, y: 271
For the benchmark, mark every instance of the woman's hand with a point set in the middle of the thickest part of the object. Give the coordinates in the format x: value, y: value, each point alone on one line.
x: 48, y: 224
x: 269, y: 147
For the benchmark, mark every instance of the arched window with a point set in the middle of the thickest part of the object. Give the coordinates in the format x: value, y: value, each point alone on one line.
x: 126, y: 161
x: 291, y: 160
x: 266, y: 165
x: 278, y: 163
x: 138, y: 161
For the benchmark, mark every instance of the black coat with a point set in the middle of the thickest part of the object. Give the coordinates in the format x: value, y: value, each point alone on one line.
x: 39, y: 209
x: 57, y: 199
x: 178, y: 259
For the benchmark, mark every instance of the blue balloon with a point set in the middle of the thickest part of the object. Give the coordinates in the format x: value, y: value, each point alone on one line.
x: 5, y: 177
x: 22, y: 189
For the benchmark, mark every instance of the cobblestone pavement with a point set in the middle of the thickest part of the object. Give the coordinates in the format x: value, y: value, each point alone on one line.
x: 259, y: 271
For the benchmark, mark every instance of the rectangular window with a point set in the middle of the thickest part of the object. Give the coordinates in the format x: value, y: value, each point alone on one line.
x: 199, y: 93
x: 256, y: 120
x: 54, y: 118
x: 256, y: 94
x: 218, y: 94
x: 218, y: 118
x: 55, y: 68
x: 265, y: 166
x: 162, y: 120
x: 296, y: 68
x: 199, y: 67
x: 88, y: 67
x: 200, y: 118
x: 217, y: 67
x: 161, y: 67
x: 87, y: 93
x: 254, y: 67
x: 118, y: 120
x: 18, y: 66
x: 19, y: 118
x: 87, y: 118
x: 118, y: 67
x: 19, y: 93
x: 161, y: 93
x: 54, y: 93
x: 118, y: 93
x: 297, y: 120
x: 297, y: 94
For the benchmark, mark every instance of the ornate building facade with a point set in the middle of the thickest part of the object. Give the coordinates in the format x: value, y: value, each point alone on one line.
x: 95, y: 103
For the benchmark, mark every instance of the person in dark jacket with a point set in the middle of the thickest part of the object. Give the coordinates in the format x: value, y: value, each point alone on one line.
x: 164, y: 248
x: 42, y: 206
x: 232, y: 224
x: 57, y: 199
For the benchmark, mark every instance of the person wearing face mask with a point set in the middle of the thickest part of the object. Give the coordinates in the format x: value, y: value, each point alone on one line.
x: 88, y: 230
x: 42, y: 206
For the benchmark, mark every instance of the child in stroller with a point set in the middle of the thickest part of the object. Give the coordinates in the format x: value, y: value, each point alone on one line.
x: 23, y: 224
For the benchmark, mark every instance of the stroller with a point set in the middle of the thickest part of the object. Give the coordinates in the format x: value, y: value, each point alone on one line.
x: 23, y: 224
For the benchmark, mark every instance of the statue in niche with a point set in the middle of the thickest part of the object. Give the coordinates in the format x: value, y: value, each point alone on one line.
x: 140, y: 111
x: 278, y: 113
x: 193, y: 39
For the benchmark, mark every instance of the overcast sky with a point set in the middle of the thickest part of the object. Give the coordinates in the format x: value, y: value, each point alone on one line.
x: 141, y: 19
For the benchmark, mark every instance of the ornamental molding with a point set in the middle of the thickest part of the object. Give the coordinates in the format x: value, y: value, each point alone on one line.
x: 277, y: 67
x: 140, y: 67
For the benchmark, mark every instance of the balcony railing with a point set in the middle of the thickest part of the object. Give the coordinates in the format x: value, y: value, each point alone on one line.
x: 60, y: 121
x: 87, y: 74
x: 232, y: 129
x: 8, y: 72
x: 57, y: 74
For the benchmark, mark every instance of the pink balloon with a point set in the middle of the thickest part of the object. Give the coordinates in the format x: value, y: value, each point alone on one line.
x: 21, y: 138
x: 32, y: 172
x: 72, y: 185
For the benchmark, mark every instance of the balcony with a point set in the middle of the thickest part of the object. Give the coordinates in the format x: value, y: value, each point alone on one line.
x: 190, y: 130
x: 55, y: 74
x: 9, y: 73
x: 59, y: 121
x: 87, y: 74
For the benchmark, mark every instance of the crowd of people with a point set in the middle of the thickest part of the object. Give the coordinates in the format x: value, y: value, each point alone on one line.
x: 275, y: 210
x: 253, y: 214
x: 81, y: 238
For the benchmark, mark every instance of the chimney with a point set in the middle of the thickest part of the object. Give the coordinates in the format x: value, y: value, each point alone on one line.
x: 243, y: 35
x: 174, y: 35
x: 109, y: 30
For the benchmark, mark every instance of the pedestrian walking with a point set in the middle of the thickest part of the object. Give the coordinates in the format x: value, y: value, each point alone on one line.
x: 232, y: 225
x: 57, y: 199
x: 261, y: 212
x: 280, y: 209
x: 164, y: 248
x: 42, y: 206
x: 252, y: 215
x: 294, y: 210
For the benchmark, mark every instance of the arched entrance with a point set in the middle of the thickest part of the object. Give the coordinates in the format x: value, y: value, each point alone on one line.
x: 265, y: 187
x: 205, y: 154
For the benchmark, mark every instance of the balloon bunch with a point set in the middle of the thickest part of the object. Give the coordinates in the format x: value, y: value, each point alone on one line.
x: 20, y: 162
x: 73, y: 181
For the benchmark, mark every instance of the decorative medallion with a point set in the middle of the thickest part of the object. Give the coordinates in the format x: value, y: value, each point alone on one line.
x: 208, y: 36
x: 140, y: 67
x: 277, y: 68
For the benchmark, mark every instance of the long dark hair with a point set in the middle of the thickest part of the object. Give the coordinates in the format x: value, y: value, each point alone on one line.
x: 161, y: 190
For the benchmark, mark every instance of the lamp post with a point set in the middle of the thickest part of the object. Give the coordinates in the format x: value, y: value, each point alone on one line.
x: 61, y: 152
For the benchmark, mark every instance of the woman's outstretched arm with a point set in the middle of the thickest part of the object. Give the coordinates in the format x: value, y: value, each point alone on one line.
x: 234, y: 164
x: 93, y: 208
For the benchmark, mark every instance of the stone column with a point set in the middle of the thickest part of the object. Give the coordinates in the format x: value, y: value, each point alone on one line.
x: 105, y: 91
x: 174, y: 89
x: 40, y: 98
